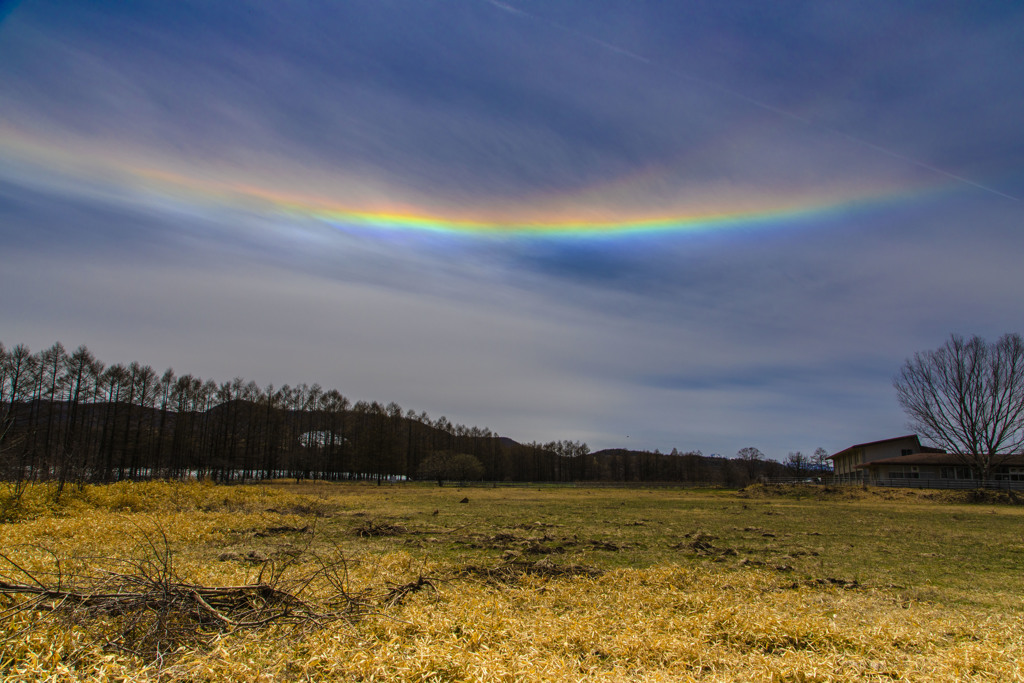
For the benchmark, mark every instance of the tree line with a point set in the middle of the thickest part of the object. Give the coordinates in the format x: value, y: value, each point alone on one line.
x: 68, y: 417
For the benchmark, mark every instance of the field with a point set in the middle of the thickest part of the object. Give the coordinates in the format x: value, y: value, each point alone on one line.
x: 417, y: 583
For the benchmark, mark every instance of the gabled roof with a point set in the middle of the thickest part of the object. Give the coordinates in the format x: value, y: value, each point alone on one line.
x: 950, y: 459
x: 875, y: 443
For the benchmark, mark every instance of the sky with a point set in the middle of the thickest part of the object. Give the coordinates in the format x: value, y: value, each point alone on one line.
x: 695, y: 225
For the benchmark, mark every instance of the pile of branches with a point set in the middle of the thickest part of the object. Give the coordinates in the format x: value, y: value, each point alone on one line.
x: 144, y: 608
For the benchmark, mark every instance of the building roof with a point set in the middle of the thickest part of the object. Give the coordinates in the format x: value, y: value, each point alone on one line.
x: 875, y: 443
x: 950, y: 459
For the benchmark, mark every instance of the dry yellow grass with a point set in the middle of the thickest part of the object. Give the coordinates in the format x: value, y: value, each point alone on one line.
x: 674, y: 621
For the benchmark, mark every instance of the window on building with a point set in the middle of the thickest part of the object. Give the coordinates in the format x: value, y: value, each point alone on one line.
x: 964, y: 473
x: 1009, y: 474
x: 906, y: 451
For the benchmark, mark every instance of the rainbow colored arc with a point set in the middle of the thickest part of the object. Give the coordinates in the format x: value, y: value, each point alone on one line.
x: 528, y: 222
x: 318, y: 208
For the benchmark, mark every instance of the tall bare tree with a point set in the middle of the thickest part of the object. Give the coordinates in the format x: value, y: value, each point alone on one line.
x: 820, y: 460
x: 82, y: 373
x: 751, y: 458
x: 19, y: 373
x: 797, y: 463
x: 6, y: 398
x: 52, y: 362
x: 7, y: 382
x: 968, y: 398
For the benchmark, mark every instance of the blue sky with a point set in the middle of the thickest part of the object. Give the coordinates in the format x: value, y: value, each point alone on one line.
x: 145, y: 148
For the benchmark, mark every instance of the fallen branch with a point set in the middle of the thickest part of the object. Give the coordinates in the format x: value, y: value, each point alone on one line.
x: 399, y: 593
x: 141, y: 605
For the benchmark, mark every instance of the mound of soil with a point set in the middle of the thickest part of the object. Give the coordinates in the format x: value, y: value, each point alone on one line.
x: 975, y: 496
x: 855, y: 492
x: 826, y: 492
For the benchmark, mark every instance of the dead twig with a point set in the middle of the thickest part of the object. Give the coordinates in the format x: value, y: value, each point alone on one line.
x: 141, y: 605
x: 399, y: 593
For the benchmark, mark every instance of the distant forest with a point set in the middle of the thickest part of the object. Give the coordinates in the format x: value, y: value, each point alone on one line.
x: 70, y: 418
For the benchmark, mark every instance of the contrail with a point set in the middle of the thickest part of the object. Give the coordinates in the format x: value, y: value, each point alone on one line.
x: 909, y: 160
x: 746, y: 98
x: 509, y: 8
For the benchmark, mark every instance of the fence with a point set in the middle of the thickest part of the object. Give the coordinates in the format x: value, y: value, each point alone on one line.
x: 818, y: 479
x: 997, y: 485
x: 584, y: 484
x: 907, y: 483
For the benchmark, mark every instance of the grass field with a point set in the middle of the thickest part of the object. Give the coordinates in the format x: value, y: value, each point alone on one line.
x: 411, y: 583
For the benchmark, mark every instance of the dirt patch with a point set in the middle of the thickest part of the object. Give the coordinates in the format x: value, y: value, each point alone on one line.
x: 828, y: 581
x: 779, y: 567
x: 698, y: 540
x: 504, y: 538
x: 499, y: 541
x: 530, y: 545
x: 701, y: 544
x: 371, y: 528
x: 816, y: 491
x: 279, y: 530
x: 511, y: 571
x: 606, y: 545
x: 316, y: 509
x: 251, y: 557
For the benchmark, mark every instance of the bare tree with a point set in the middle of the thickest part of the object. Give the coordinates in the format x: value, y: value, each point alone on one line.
x: 968, y: 398
x: 8, y: 385
x: 6, y: 401
x: 442, y: 465
x: 51, y: 363
x: 797, y: 463
x: 751, y: 458
x: 820, y: 460
x: 80, y: 371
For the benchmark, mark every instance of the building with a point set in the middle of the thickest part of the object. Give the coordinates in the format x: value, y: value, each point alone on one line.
x: 940, y: 470
x: 847, y: 464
